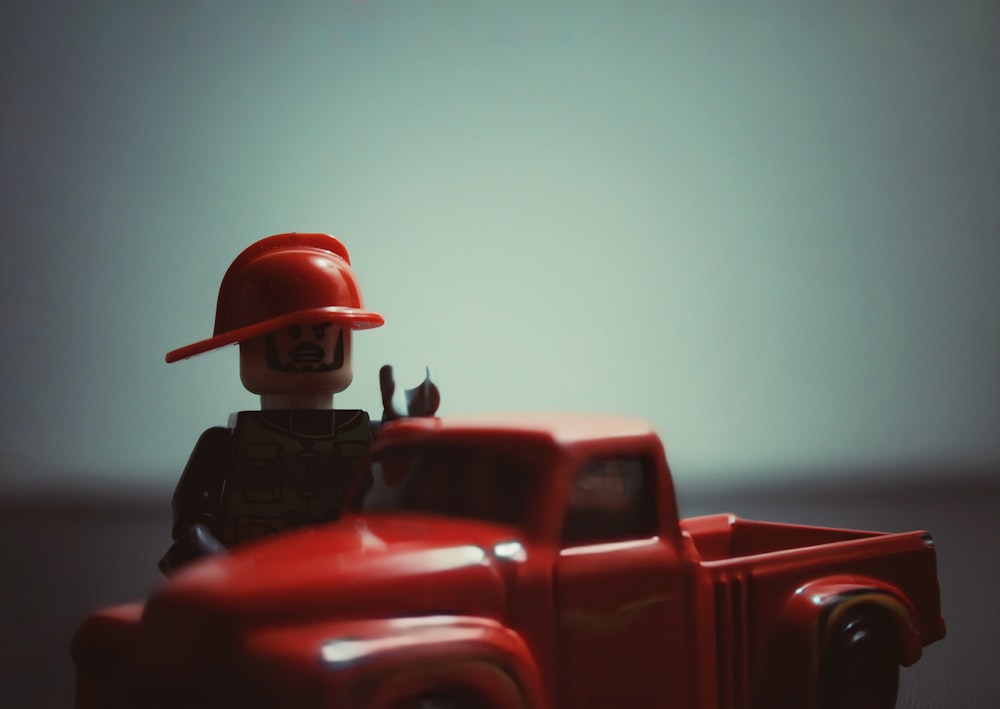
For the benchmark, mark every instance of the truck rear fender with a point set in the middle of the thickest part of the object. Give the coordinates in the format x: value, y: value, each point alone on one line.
x: 820, y: 607
x: 809, y: 615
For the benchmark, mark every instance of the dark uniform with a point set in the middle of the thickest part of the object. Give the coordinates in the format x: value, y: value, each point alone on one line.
x: 270, y: 471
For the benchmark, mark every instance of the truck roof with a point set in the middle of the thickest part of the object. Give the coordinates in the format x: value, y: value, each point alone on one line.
x: 564, y: 427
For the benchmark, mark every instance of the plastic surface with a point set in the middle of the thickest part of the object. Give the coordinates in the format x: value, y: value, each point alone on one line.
x: 282, y: 280
x: 511, y: 561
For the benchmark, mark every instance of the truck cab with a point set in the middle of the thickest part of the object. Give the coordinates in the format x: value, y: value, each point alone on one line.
x: 593, y: 506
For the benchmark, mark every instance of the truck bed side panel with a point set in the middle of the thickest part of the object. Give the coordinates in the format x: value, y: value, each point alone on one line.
x: 750, y: 592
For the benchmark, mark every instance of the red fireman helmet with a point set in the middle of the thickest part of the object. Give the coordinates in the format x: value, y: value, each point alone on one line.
x: 281, y: 280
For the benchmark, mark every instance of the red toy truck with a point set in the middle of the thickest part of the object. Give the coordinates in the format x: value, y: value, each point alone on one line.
x: 528, y: 561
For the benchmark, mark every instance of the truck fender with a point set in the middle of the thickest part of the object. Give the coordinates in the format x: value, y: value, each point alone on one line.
x: 475, y: 660
x: 811, y: 614
x: 102, y: 647
x: 826, y: 603
x: 457, y: 683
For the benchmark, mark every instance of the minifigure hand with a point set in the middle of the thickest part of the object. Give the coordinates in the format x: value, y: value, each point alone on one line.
x: 195, y: 542
x: 422, y: 400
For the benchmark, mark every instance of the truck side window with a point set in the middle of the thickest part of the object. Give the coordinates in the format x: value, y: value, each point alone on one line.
x: 611, y: 499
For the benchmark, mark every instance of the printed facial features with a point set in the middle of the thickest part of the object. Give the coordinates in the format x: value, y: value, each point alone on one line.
x: 306, y: 348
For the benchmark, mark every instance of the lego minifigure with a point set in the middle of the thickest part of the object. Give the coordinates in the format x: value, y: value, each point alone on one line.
x: 291, y: 302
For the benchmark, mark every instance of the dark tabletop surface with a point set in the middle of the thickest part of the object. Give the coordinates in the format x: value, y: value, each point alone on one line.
x: 63, y: 557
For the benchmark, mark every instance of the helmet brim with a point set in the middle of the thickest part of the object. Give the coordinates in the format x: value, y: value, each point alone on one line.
x: 352, y: 317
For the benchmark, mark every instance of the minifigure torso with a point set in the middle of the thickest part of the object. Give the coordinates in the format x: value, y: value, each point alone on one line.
x: 280, y: 469
x: 291, y: 468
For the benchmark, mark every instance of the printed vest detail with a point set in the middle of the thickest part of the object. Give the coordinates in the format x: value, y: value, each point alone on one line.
x: 292, y: 468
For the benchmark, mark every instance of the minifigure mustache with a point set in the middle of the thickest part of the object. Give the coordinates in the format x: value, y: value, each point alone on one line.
x: 307, y: 353
x: 305, y: 356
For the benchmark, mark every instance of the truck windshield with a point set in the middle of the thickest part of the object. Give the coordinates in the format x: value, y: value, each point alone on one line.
x: 449, y: 480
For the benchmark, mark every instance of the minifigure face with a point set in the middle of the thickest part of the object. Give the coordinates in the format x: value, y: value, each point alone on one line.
x: 305, y: 348
x: 303, y: 358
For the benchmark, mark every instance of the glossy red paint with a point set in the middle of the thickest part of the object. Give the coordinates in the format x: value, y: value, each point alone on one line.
x: 513, y: 561
x: 280, y: 280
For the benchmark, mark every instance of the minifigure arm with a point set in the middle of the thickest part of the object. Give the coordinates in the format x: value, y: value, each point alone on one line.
x: 198, y: 494
x: 197, y: 498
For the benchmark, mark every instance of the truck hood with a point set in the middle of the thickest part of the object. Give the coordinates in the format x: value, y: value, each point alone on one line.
x: 359, y: 567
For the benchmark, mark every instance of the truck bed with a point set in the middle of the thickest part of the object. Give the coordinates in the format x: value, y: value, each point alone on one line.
x: 725, y: 536
x: 749, y: 569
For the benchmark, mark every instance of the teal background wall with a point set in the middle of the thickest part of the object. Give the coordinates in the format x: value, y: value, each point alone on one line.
x: 771, y: 228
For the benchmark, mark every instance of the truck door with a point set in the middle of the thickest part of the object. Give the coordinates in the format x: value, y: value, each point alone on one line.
x: 622, y: 605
